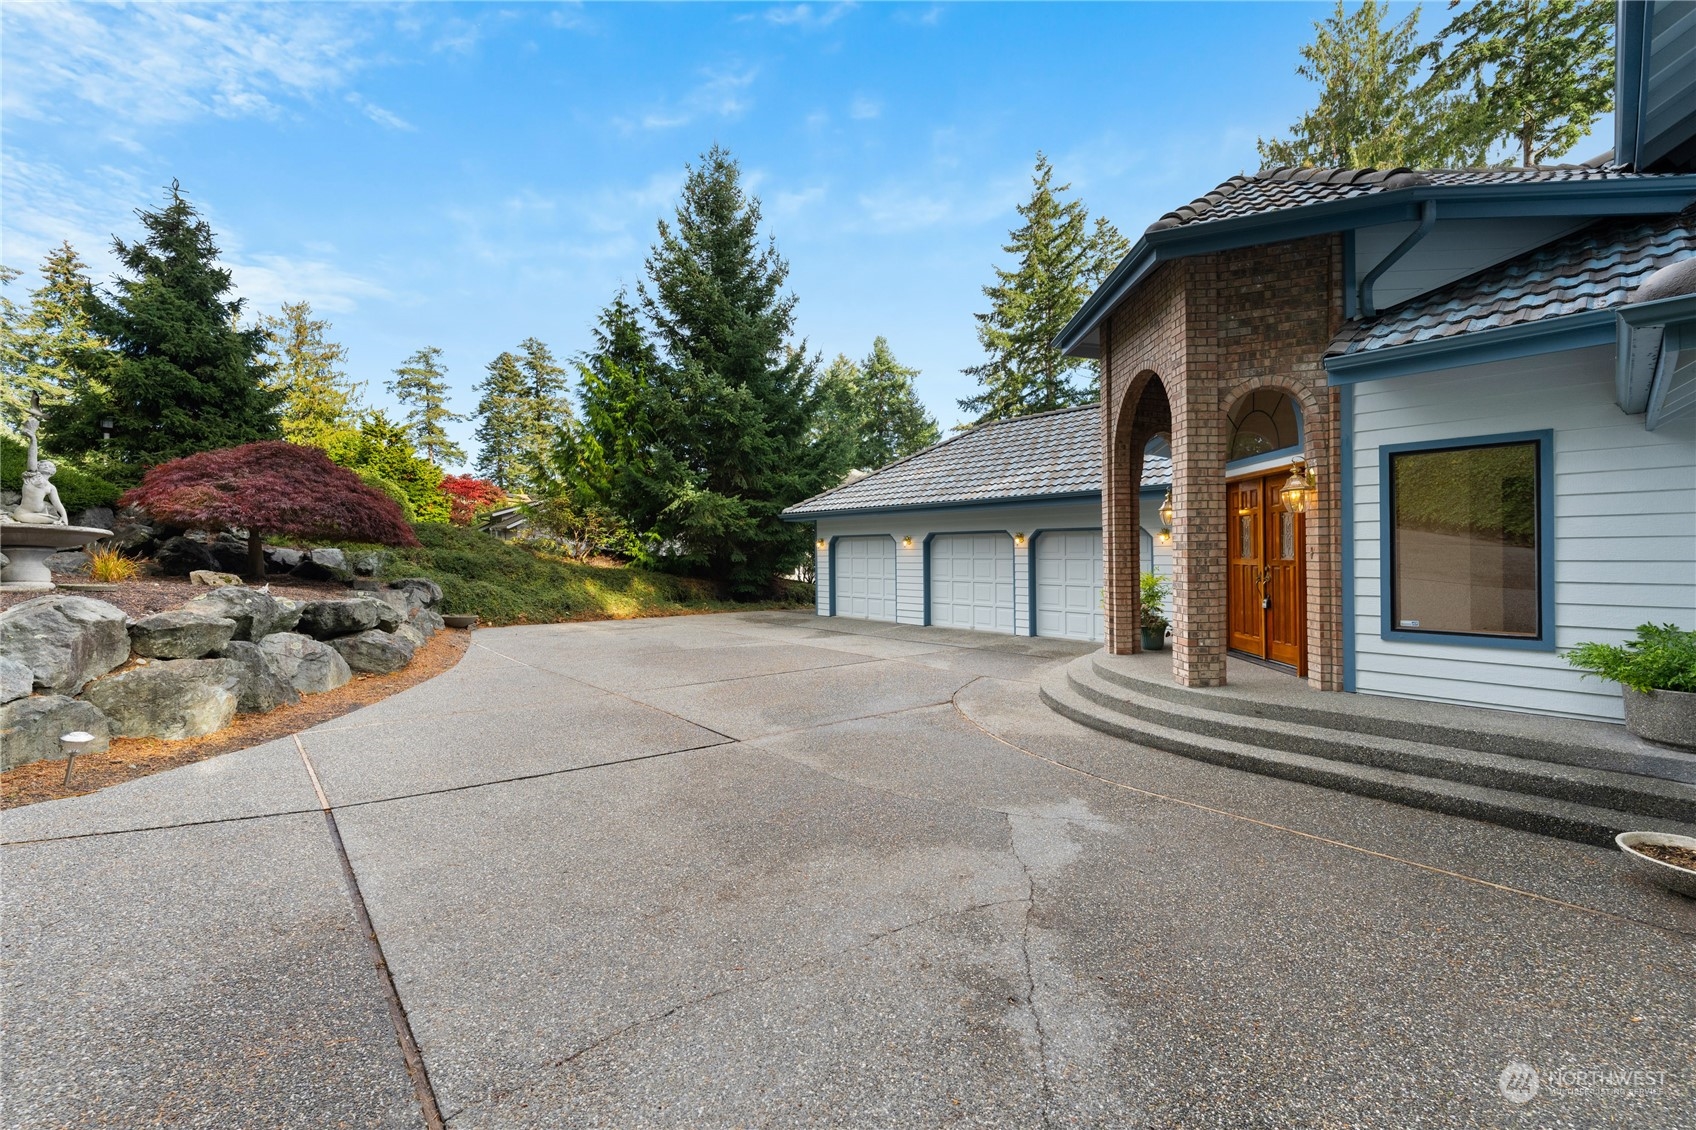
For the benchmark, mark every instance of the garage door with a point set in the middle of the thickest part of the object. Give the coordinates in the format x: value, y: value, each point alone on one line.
x: 971, y: 582
x: 864, y: 577
x: 1068, y: 586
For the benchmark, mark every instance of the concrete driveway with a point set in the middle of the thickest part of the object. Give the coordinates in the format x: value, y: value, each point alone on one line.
x: 764, y: 869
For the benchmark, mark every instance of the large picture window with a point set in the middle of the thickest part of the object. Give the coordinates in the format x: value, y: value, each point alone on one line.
x: 1466, y: 545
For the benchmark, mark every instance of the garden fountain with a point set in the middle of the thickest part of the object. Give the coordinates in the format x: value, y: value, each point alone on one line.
x: 37, y: 527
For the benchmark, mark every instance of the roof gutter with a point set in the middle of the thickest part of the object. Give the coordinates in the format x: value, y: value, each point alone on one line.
x: 1652, y: 337
x: 1427, y: 221
x: 1549, y: 335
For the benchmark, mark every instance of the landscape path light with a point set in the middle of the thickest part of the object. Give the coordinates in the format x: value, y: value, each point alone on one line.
x: 73, y: 743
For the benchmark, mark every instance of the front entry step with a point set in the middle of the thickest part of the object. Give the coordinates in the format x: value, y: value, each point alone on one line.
x: 1573, y: 802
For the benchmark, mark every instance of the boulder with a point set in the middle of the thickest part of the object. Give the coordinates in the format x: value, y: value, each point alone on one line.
x: 324, y: 565
x: 280, y: 559
x: 96, y: 517
x: 288, y: 616
x: 257, y: 614
x: 376, y: 652
x: 181, y: 633
x: 30, y: 728
x: 180, y: 556
x: 419, y: 590
x: 263, y: 685
x: 365, y: 563
x: 209, y: 579
x: 411, y: 635
x: 181, y: 699
x: 230, y: 551
x: 133, y: 532
x: 327, y: 619
x: 65, y: 640
x: 68, y: 561
x: 428, y: 622
x: 309, y: 666
x: 16, y: 680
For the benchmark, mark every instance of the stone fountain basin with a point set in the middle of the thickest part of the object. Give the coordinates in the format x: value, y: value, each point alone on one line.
x: 28, y: 546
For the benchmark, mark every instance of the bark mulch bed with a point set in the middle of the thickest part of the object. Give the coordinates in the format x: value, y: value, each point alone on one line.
x: 147, y: 595
x: 130, y: 758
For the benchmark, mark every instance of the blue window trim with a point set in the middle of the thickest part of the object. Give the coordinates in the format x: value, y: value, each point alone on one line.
x: 1345, y: 409
x: 1008, y: 534
x: 1545, y: 638
x: 1030, y: 563
x: 834, y: 538
x: 1249, y: 464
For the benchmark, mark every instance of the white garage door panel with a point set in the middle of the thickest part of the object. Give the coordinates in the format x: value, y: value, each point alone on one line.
x: 1068, y: 586
x: 864, y: 576
x: 971, y: 582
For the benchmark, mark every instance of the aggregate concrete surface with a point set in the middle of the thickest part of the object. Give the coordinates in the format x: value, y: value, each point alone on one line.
x: 762, y: 869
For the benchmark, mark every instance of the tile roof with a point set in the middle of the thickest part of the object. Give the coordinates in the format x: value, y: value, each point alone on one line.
x: 1042, y: 455
x: 1593, y: 269
x: 1273, y: 190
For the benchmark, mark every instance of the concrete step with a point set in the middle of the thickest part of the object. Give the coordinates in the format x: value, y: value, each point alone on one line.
x: 1592, y: 745
x: 1529, y: 811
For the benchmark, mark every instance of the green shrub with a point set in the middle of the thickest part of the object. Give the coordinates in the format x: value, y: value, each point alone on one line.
x: 1660, y: 658
x: 1154, y: 591
x: 78, y: 488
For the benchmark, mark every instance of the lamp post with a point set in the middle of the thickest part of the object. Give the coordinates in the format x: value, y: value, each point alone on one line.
x: 73, y: 743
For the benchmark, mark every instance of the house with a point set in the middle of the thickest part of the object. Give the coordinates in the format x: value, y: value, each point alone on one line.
x: 1426, y: 429
x: 997, y: 528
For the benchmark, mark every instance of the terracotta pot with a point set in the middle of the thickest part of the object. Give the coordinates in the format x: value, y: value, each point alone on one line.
x: 1668, y: 717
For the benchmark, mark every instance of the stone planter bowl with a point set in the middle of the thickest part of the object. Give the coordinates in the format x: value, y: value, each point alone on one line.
x: 460, y: 620
x: 1672, y: 878
x: 1668, y: 717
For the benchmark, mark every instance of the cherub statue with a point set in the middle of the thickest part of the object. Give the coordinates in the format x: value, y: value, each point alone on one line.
x: 40, y: 505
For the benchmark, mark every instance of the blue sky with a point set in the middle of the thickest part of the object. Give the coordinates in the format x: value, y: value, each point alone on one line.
x: 469, y: 175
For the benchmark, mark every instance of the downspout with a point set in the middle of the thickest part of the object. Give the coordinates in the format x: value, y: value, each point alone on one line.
x: 1427, y: 221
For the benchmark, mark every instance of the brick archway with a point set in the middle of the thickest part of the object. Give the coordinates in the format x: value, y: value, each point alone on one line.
x: 1141, y: 413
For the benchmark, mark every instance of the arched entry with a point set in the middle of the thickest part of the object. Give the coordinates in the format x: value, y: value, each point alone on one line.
x: 1266, y: 573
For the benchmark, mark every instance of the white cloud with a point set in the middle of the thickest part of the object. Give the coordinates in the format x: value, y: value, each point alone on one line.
x: 807, y: 16
x: 897, y: 206
x: 864, y: 109
x: 268, y: 281
x: 720, y: 94
x: 788, y: 204
x: 388, y: 119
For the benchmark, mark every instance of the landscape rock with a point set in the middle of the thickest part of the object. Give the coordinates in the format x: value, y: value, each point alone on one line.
x: 16, y: 680
x: 230, y: 551
x: 257, y: 614
x: 180, y: 556
x: 365, y: 563
x: 428, y: 622
x: 411, y: 635
x: 68, y: 561
x: 97, y: 517
x: 327, y: 619
x: 207, y: 578
x: 280, y: 559
x: 181, y: 699
x: 309, y: 666
x: 30, y: 728
x: 324, y: 565
x: 134, y: 533
x: 181, y: 633
x: 376, y: 652
x: 263, y: 686
x: 288, y: 617
x: 65, y: 640
x: 419, y: 590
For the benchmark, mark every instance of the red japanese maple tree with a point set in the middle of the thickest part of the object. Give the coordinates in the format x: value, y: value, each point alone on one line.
x: 468, y: 494
x: 273, y: 488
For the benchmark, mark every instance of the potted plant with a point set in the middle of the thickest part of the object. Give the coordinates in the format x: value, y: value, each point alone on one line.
x: 1154, y: 591
x: 1657, y: 668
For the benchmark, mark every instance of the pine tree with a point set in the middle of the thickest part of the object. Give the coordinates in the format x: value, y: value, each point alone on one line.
x: 1060, y: 260
x: 1374, y: 110
x: 840, y: 422
x: 184, y: 376
x: 14, y: 361
x: 896, y: 423
x: 51, y: 349
x: 319, y: 401
x: 1535, y: 74
x: 421, y: 386
x: 740, y: 447
x: 502, y: 415
x: 547, y: 409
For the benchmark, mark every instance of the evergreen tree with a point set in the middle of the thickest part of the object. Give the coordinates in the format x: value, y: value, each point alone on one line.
x: 740, y: 447
x: 502, y: 432
x: 51, y: 349
x: 184, y: 377
x: 1535, y: 74
x: 1060, y: 260
x: 547, y: 409
x: 896, y: 423
x: 421, y: 386
x: 381, y: 452
x: 318, y: 399
x: 14, y: 362
x: 1374, y: 110
x: 839, y: 424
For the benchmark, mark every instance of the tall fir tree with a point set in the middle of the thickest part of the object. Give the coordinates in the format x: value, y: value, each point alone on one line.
x: 421, y: 386
x: 502, y: 414
x: 741, y: 448
x: 184, y: 375
x: 319, y: 401
x: 896, y: 423
x: 1060, y: 258
x: 51, y: 350
x: 1374, y: 108
x: 1531, y: 74
x: 547, y: 409
x: 840, y: 420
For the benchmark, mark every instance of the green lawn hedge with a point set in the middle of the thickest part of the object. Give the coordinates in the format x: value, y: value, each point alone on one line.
x: 78, y: 489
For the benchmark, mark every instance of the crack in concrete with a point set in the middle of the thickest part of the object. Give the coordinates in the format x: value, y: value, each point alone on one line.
x: 1043, y: 1078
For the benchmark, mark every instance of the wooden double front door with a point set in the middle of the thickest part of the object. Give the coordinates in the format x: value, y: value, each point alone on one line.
x: 1267, y: 580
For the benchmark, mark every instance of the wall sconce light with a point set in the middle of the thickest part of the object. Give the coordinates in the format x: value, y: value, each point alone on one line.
x: 1299, y: 491
x: 907, y: 542
x: 1167, y: 511
x: 1164, y: 537
x: 1018, y: 539
x: 822, y: 543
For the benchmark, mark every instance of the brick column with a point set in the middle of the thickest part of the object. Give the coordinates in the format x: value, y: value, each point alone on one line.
x: 1198, y: 537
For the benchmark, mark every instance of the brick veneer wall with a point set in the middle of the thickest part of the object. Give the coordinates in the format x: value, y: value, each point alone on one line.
x: 1211, y: 329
